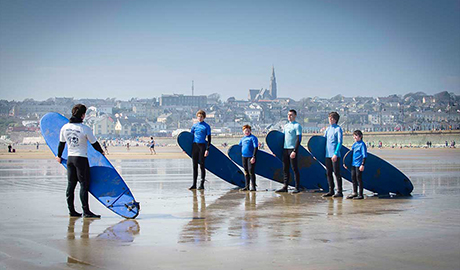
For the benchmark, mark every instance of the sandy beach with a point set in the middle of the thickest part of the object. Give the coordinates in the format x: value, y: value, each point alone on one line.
x: 222, y: 228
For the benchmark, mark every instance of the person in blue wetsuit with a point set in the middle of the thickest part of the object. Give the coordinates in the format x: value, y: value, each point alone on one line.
x: 292, y: 138
x: 359, y: 151
x: 334, y: 138
x: 249, y: 146
x: 200, y: 149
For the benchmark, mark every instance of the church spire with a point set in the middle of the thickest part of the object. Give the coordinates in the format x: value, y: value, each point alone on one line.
x: 273, y: 90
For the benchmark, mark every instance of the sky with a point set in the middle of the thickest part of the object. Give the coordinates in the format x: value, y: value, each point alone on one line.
x: 142, y: 49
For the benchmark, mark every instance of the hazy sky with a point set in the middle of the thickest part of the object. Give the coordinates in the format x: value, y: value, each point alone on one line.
x: 124, y: 49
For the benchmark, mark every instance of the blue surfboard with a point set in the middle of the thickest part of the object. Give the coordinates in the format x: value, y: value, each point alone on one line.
x: 106, y: 185
x: 381, y: 177
x: 317, y: 147
x: 216, y: 162
x: 267, y: 165
x: 312, y: 173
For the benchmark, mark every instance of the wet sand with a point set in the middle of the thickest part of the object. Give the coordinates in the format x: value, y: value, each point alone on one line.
x: 221, y: 228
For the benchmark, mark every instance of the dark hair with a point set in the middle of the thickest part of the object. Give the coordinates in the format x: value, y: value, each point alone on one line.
x: 203, y: 113
x: 246, y: 127
x: 78, y: 110
x: 358, y: 133
x: 293, y: 111
x: 151, y: 138
x: 335, y: 116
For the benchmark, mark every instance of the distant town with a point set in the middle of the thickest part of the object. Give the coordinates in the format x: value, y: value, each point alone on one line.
x: 167, y: 115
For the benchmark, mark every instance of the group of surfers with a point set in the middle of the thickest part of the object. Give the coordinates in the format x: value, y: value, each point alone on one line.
x: 76, y: 135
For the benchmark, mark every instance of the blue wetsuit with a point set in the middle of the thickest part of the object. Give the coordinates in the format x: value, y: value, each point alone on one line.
x: 200, y: 131
x: 249, y: 146
x: 359, y: 151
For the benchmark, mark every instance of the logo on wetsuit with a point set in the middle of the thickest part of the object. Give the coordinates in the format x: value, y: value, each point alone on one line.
x: 72, y: 137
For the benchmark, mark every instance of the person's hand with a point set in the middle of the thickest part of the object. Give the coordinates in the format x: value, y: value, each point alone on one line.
x: 58, y: 159
x: 334, y: 158
x: 293, y: 154
x: 206, y: 153
x: 253, y: 160
x: 361, y: 168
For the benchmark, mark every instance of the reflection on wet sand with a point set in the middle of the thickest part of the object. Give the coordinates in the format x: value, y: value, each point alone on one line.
x: 81, y: 250
x: 247, y: 226
x: 334, y: 207
x: 208, y: 219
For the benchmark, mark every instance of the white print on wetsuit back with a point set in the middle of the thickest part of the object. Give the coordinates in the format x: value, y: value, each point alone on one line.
x: 76, y: 136
x: 72, y: 137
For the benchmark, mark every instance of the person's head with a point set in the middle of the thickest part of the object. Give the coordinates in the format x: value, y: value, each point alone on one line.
x: 151, y: 138
x: 247, y: 130
x: 79, y: 111
x: 292, y: 114
x: 200, y: 115
x: 357, y: 135
x: 334, y: 118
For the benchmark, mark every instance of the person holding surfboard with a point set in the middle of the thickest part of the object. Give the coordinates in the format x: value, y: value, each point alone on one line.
x: 359, y: 151
x: 334, y: 139
x: 76, y: 135
x: 201, y: 132
x: 292, y: 138
x: 249, y: 146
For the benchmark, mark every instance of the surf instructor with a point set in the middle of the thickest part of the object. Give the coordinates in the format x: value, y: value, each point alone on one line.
x: 76, y: 134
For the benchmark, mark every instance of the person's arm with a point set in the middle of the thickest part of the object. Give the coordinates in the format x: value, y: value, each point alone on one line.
x: 339, y: 142
x: 208, y: 133
x: 299, y: 137
x: 61, y: 146
x: 297, y: 143
x: 60, y: 149
x: 364, y: 150
x: 255, y: 143
x: 209, y: 142
x: 98, y: 147
x: 364, y: 153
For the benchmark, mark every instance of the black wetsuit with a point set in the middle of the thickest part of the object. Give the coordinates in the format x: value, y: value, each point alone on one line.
x: 288, y: 162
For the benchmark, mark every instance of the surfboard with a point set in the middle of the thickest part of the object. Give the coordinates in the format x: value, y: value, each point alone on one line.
x: 317, y: 147
x: 267, y: 165
x: 379, y: 176
x: 312, y: 173
x: 106, y: 185
x: 216, y: 162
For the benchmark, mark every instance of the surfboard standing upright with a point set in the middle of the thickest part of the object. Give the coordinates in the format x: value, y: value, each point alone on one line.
x: 379, y: 176
x: 217, y: 162
x: 106, y: 185
x: 312, y: 173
